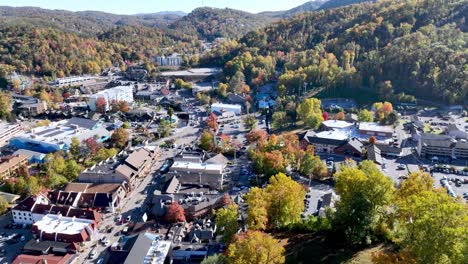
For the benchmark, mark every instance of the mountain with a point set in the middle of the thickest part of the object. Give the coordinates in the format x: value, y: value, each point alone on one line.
x: 311, y: 6
x: 390, y: 49
x: 210, y: 23
x: 84, y: 22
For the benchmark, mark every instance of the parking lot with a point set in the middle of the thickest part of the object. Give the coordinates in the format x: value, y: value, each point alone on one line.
x: 13, y: 238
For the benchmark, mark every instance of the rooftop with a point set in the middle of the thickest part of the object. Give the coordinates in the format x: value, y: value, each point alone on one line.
x: 192, y: 72
x: 370, y: 126
x: 49, y: 259
x: 196, y: 166
x: 220, y: 105
x: 337, y: 124
x: 148, y: 249
x: 62, y: 225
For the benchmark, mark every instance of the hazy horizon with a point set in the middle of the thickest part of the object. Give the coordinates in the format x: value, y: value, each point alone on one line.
x: 126, y: 7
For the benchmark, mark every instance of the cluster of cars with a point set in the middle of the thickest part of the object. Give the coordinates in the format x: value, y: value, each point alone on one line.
x: 448, y: 169
x: 11, y: 238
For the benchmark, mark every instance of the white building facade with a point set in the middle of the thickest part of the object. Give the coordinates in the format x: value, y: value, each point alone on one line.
x: 116, y: 94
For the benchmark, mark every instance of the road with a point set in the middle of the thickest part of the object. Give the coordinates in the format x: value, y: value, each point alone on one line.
x: 135, y: 205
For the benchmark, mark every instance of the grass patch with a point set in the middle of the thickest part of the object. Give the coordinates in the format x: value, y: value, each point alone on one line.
x: 362, y: 97
x: 310, y: 248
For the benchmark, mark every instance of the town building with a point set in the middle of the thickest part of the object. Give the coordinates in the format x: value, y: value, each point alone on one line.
x: 9, y: 165
x: 64, y: 229
x: 7, y: 131
x: 326, y: 141
x: 196, y: 173
x: 105, y: 197
x: 49, y: 258
x: 336, y: 125
x: 44, y: 247
x: 72, y: 81
x: 112, y: 95
x: 195, y: 74
x: 173, y: 60
x: 10, y: 198
x: 203, y: 87
x: 149, y: 248
x: 121, y: 168
x: 23, y: 212
x: 431, y: 145
x: 374, y: 154
x: 58, y: 135
x: 375, y: 129
x: 31, y: 108
x: 33, y: 156
x: 221, y: 108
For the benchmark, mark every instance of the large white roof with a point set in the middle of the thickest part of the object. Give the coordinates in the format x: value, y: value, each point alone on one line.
x: 371, y: 126
x: 63, y: 225
x: 196, y: 166
x: 337, y: 124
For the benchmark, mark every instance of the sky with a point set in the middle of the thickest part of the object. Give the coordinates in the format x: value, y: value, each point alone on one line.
x: 153, y: 6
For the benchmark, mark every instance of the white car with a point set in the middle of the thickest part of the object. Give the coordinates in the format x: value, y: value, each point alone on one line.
x: 119, y: 218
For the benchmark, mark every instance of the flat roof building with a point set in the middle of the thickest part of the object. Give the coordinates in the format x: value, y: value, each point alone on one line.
x: 148, y: 248
x: 7, y: 131
x: 221, y: 108
x: 64, y: 229
x: 58, y: 135
x: 198, y: 173
x: 112, y: 95
x: 336, y: 124
x: 375, y: 129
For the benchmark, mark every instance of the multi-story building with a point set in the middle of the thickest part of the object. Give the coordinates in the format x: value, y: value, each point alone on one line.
x: 112, y: 95
x: 221, y: 108
x: 58, y: 135
x: 172, y: 60
x: 205, y: 174
x: 9, y: 165
x: 73, y: 81
x: 442, y: 146
x: 7, y: 131
x: 375, y: 129
x: 64, y: 229
x: 118, y: 169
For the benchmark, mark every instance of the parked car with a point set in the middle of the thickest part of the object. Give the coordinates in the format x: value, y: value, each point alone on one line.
x: 401, y: 167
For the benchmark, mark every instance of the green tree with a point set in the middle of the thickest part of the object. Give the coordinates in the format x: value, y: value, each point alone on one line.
x: 226, y: 221
x: 313, y: 167
x: 310, y: 113
x: 215, y: 259
x: 257, y: 210
x: 33, y: 185
x: 72, y: 169
x: 250, y: 122
x: 279, y: 120
x: 288, y: 209
x: 365, y: 116
x: 364, y: 195
x: 170, y: 113
x: 207, y: 141
x: 75, y: 148
x: 255, y: 247
x: 5, y: 105
x: 3, y: 205
x: 164, y: 129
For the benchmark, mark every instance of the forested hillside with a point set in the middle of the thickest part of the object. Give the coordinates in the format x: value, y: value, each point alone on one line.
x: 393, y: 48
x: 210, y: 23
x: 85, y: 23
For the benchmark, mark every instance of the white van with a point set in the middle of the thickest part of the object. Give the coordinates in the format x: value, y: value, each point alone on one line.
x: 92, y: 254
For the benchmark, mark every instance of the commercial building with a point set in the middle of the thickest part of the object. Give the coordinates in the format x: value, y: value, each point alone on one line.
x: 121, y: 168
x: 7, y: 131
x: 196, y: 74
x: 72, y: 81
x: 112, y: 95
x: 221, y: 108
x: 149, y: 248
x: 49, y: 258
x: 9, y: 165
x: 203, y: 174
x: 375, y: 129
x: 336, y: 125
x: 173, y: 60
x: 430, y: 145
x: 58, y: 135
x: 33, y: 156
x: 23, y: 212
x: 326, y: 141
x: 64, y: 229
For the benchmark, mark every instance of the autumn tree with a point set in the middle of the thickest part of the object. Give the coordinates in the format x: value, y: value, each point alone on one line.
x: 5, y: 105
x: 212, y: 122
x: 250, y: 122
x: 364, y: 194
x: 175, y: 213
x: 120, y: 137
x: 92, y: 145
x: 288, y: 209
x: 255, y: 247
x: 226, y: 221
x: 313, y: 167
x: 325, y: 116
x: 237, y: 83
x: 257, y: 210
x: 101, y: 105
x: 309, y: 111
x: 365, y: 116
x: 75, y: 148
x: 207, y: 140
x: 423, y: 212
x: 273, y: 163
x: 382, y: 110
x: 340, y: 116
x: 257, y: 136
x: 215, y: 259
x: 372, y: 140
x: 123, y: 106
